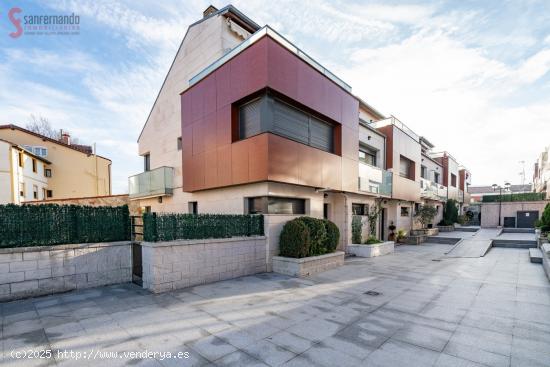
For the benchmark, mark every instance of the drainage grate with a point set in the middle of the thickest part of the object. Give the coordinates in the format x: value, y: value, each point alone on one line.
x: 372, y: 293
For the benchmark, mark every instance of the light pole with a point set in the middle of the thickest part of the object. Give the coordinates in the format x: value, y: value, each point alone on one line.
x: 506, y: 188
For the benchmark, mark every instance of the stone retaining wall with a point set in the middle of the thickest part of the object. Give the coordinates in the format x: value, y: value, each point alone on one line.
x: 41, y: 270
x: 185, y: 263
x: 377, y: 249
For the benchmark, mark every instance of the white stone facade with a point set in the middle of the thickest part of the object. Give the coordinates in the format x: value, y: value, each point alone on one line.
x: 34, y: 271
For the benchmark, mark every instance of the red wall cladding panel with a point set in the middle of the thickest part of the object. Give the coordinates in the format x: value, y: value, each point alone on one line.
x: 210, y: 159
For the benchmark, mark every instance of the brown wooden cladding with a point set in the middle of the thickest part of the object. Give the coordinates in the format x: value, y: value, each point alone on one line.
x: 210, y: 157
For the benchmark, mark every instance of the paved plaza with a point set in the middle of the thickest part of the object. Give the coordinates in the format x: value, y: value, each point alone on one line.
x: 413, y: 308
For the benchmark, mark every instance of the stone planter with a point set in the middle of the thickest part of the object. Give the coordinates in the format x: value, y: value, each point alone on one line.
x: 307, y: 266
x: 446, y: 228
x: 432, y: 231
x: 545, y: 249
x: 376, y: 249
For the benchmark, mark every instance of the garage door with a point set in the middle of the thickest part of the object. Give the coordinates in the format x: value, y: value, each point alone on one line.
x: 526, y: 219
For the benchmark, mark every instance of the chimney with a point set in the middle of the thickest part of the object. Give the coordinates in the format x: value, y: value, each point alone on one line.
x: 66, y: 138
x: 210, y: 10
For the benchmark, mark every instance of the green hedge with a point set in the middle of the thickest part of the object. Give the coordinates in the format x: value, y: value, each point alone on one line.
x: 526, y: 196
x: 169, y: 226
x: 51, y: 224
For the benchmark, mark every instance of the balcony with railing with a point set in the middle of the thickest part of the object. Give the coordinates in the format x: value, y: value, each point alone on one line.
x: 432, y: 190
x: 156, y: 182
x: 374, y: 180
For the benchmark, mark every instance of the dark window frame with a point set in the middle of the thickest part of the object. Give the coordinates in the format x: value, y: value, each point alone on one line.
x: 268, y: 109
x: 146, y: 162
x: 193, y: 207
x: 179, y: 143
x: 359, y: 209
x: 267, y: 205
x: 367, y: 151
x: 404, y: 211
x: 47, y: 172
x: 453, y: 180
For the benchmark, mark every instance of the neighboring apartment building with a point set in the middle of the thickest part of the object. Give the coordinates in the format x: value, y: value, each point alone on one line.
x: 58, y: 169
x: 541, y: 174
x: 264, y: 128
x: 23, y: 174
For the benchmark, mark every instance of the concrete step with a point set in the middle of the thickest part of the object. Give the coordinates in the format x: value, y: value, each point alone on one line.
x: 515, y: 243
x: 467, y: 229
x: 442, y: 240
x: 518, y: 230
x: 535, y: 255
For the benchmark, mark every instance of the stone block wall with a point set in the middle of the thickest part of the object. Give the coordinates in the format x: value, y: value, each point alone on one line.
x: 307, y: 266
x: 41, y: 270
x: 180, y: 264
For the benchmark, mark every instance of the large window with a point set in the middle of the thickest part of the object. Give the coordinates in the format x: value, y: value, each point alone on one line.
x: 453, y: 180
x: 424, y: 172
x: 367, y: 155
x: 276, y: 205
x: 436, y: 177
x: 270, y: 114
x: 406, y: 168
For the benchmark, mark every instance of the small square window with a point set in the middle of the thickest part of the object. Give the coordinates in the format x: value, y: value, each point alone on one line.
x: 404, y: 211
x: 359, y: 209
x: 49, y: 193
x: 48, y: 172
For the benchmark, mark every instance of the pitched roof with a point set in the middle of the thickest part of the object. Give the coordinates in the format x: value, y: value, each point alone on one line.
x: 26, y: 151
x: 85, y: 149
x: 229, y: 11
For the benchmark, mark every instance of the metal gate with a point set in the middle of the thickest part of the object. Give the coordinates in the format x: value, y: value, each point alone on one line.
x: 527, y: 218
x: 137, y: 268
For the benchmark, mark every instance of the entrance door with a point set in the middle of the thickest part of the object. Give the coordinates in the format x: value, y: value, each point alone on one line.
x: 383, y: 226
x: 137, y: 270
x: 527, y: 218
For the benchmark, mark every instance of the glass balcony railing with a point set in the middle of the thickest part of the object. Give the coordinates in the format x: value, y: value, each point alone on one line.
x: 157, y: 182
x: 432, y: 190
x: 374, y: 180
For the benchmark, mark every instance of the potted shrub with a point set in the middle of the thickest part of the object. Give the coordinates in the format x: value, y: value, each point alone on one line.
x: 401, y: 236
x: 391, y: 235
x: 425, y: 215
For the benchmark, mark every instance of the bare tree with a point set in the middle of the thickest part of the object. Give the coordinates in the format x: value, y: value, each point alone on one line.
x: 41, y: 125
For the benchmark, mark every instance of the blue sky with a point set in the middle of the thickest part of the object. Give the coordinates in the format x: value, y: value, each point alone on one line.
x: 471, y: 76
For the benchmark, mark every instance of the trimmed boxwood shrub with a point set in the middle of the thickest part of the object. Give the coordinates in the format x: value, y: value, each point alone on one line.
x: 295, y: 239
x: 332, y: 237
x: 317, y: 235
x: 306, y: 236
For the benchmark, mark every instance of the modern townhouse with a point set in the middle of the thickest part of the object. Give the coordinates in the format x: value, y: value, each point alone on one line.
x: 541, y: 173
x: 261, y: 127
x: 47, y: 168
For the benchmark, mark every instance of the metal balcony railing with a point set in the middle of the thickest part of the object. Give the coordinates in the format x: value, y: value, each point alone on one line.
x: 432, y: 190
x: 374, y: 180
x: 156, y: 182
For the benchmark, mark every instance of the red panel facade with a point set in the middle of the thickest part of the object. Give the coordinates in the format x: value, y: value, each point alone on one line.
x: 212, y: 158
